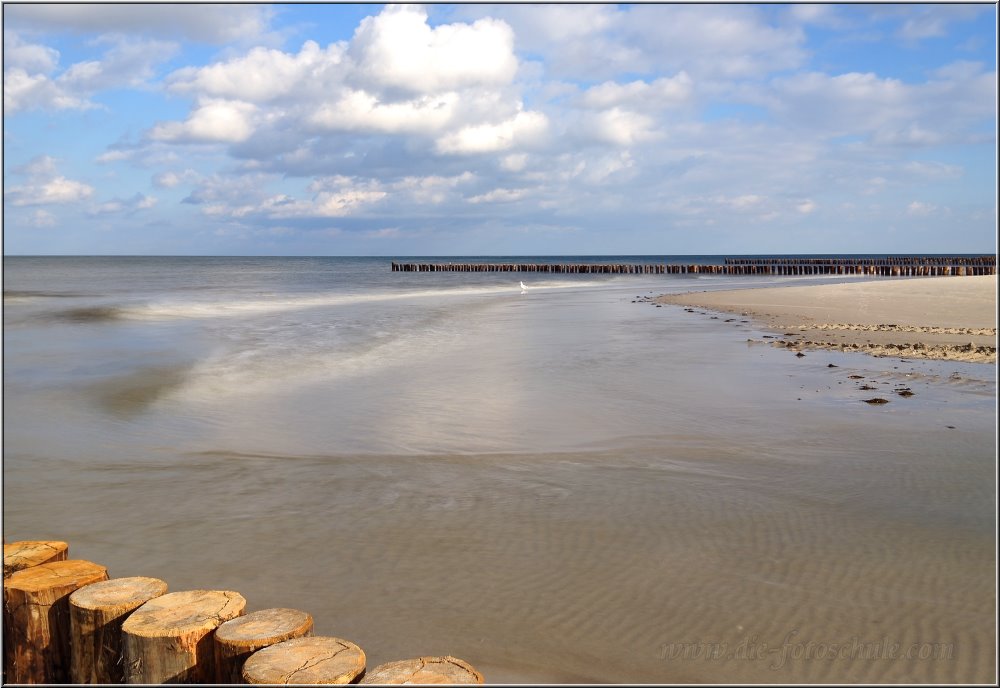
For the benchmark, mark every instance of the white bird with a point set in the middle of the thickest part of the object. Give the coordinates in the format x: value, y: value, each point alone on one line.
x: 524, y: 288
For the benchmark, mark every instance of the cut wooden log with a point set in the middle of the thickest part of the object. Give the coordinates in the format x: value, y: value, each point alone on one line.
x: 36, y: 621
x: 317, y: 660
x: 27, y: 553
x: 239, y: 638
x: 439, y: 670
x: 97, y: 613
x: 169, y: 638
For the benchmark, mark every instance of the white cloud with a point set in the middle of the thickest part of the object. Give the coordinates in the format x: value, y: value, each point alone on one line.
x: 805, y: 207
x: 44, y: 185
x: 23, y: 91
x: 30, y: 81
x: 499, y: 196
x: 131, y: 205
x: 432, y: 189
x: 264, y: 75
x: 30, y: 58
x: 58, y: 189
x: 525, y: 128
x: 515, y: 162
x: 398, y: 75
x: 620, y: 127
x: 663, y: 92
x: 212, y: 121
x: 41, y: 219
x: 362, y: 111
x: 598, y: 42
x: 39, y: 166
x: 170, y: 179
x: 920, y: 209
x: 399, y: 50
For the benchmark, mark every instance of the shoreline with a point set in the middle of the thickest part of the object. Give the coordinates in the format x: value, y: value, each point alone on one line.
x: 933, y: 318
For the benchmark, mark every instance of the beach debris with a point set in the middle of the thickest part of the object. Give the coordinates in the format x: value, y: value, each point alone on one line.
x: 904, y: 392
x: 800, y: 355
x: 876, y: 400
x: 856, y: 377
x: 867, y: 388
x: 830, y: 365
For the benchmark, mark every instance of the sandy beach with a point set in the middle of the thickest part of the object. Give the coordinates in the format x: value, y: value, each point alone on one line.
x: 936, y: 318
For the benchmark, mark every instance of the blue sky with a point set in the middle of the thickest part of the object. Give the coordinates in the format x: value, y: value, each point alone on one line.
x: 499, y: 129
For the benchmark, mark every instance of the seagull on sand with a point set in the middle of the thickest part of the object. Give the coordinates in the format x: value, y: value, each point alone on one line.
x: 524, y: 288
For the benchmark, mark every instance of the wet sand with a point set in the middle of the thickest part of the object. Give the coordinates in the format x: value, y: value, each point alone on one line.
x: 936, y: 318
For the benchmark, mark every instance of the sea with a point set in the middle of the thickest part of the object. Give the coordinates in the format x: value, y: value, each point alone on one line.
x: 559, y: 484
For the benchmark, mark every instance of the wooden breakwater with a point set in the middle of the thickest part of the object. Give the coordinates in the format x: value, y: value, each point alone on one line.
x: 67, y: 621
x: 897, y: 266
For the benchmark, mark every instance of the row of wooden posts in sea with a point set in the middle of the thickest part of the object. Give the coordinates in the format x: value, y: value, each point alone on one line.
x: 885, y: 267
x: 66, y: 621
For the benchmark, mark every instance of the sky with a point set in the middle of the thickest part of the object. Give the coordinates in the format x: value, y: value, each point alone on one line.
x: 506, y: 129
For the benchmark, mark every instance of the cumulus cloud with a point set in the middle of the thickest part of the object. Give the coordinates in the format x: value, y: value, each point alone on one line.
x: 398, y: 49
x: 31, y: 82
x: 886, y: 109
x: 212, y: 121
x: 56, y: 190
x: 44, y: 185
x: 663, y: 92
x: 128, y: 206
x: 499, y: 196
x: 263, y: 74
x: 597, y: 41
x: 451, y: 84
x: 170, y: 179
x: 30, y: 58
x: 525, y: 128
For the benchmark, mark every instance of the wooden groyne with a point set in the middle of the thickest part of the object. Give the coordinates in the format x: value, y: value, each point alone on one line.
x: 899, y: 266
x: 67, y: 621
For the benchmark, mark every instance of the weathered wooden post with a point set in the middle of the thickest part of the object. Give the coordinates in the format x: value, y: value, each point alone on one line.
x: 440, y: 670
x: 18, y: 556
x: 97, y: 612
x: 316, y: 660
x: 36, y: 623
x: 239, y: 638
x: 169, y: 638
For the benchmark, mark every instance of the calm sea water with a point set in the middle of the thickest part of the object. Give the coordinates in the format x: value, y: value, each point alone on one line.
x: 555, y: 485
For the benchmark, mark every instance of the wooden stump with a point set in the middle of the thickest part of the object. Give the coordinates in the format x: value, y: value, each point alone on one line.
x: 97, y: 613
x: 239, y: 638
x: 169, y: 638
x: 447, y: 670
x: 36, y: 621
x: 23, y: 555
x: 316, y: 660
